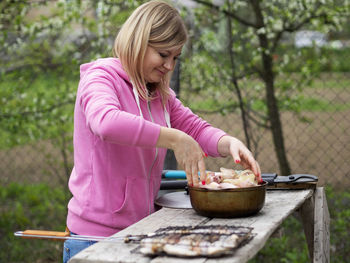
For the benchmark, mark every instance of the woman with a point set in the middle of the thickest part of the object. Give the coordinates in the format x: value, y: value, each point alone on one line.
x: 125, y: 118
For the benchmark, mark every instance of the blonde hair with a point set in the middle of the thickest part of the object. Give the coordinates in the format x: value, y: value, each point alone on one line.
x: 156, y: 24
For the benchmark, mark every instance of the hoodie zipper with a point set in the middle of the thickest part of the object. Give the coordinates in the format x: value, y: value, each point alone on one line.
x: 154, y: 161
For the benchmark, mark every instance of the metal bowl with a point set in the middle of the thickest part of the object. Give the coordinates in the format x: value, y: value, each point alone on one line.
x: 228, y: 203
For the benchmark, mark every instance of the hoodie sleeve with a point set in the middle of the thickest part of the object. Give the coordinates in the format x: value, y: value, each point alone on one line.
x: 99, y: 102
x: 184, y: 119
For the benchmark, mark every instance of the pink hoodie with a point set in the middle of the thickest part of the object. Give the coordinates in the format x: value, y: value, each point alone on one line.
x: 117, y: 171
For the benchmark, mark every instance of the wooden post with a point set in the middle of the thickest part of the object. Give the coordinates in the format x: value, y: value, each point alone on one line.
x: 315, y: 217
x: 306, y: 213
x: 321, y: 228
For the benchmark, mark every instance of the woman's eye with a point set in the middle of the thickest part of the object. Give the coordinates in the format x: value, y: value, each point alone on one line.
x: 162, y: 55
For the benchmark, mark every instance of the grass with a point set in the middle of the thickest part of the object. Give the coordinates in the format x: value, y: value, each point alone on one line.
x: 321, y: 105
x: 317, y: 97
x: 291, y: 247
x: 31, y: 207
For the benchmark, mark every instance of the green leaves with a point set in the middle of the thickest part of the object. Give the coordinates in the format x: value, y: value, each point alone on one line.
x: 30, y: 207
x: 35, y: 114
x: 44, y: 43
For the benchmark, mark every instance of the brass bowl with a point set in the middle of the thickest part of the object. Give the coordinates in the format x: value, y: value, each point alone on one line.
x: 228, y: 203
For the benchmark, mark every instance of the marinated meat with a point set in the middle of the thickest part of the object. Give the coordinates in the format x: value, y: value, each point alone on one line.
x: 213, y: 185
x: 208, y: 241
x: 213, y: 178
x: 228, y: 178
x: 229, y: 173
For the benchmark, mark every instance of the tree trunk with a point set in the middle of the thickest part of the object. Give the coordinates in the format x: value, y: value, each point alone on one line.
x: 245, y: 121
x: 272, y: 107
x: 273, y: 113
x: 274, y: 117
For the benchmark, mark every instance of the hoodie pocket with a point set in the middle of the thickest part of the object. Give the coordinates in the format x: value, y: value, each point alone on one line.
x: 119, y: 198
x: 135, y: 203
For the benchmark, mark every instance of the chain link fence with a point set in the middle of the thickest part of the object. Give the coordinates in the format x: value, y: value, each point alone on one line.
x: 316, y: 143
x: 316, y: 136
x: 319, y: 145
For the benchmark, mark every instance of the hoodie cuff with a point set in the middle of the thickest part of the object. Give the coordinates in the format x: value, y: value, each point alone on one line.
x: 149, y: 135
x: 210, y: 141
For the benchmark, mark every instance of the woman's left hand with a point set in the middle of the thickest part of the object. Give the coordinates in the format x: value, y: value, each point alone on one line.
x: 229, y: 145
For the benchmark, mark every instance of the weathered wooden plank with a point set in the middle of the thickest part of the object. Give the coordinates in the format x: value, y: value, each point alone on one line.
x: 278, y: 206
x: 322, y: 235
x: 306, y: 213
x: 121, y: 252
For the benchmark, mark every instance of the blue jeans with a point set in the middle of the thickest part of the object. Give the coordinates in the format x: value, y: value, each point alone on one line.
x: 72, y: 247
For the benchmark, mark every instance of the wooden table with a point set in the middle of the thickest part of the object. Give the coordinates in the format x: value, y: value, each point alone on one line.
x: 279, y: 204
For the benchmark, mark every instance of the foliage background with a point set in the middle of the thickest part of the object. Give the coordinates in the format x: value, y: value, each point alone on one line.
x: 44, y: 42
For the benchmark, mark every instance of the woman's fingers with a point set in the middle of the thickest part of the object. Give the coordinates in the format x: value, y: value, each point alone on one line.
x: 254, y: 166
x: 259, y: 172
x: 250, y: 163
x: 203, y: 174
x: 241, y: 155
x: 194, y: 174
x: 189, y: 156
x: 189, y: 178
x: 235, y: 154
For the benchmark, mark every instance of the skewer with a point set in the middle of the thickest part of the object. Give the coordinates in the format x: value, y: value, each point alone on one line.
x: 66, y: 236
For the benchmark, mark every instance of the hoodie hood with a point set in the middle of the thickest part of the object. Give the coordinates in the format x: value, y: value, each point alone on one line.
x: 114, y: 66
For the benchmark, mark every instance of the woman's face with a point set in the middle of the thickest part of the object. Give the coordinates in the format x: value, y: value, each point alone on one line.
x: 158, y: 62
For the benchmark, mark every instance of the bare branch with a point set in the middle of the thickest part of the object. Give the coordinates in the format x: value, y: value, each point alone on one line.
x: 258, y: 14
x: 227, y: 13
x: 306, y: 20
x: 295, y: 27
x: 276, y: 40
x: 257, y: 122
x: 24, y: 66
x: 246, y: 125
x: 26, y: 113
x: 228, y: 107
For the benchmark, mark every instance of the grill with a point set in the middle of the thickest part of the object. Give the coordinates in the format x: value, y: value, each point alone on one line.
x: 208, y: 241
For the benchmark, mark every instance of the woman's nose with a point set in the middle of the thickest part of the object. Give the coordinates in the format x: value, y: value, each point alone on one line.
x: 169, y: 64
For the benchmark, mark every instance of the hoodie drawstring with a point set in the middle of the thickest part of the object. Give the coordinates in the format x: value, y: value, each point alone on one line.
x: 137, y: 99
x: 166, y: 113
x: 167, y: 117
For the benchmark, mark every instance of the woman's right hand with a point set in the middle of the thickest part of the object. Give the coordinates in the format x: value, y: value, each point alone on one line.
x: 188, y: 153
